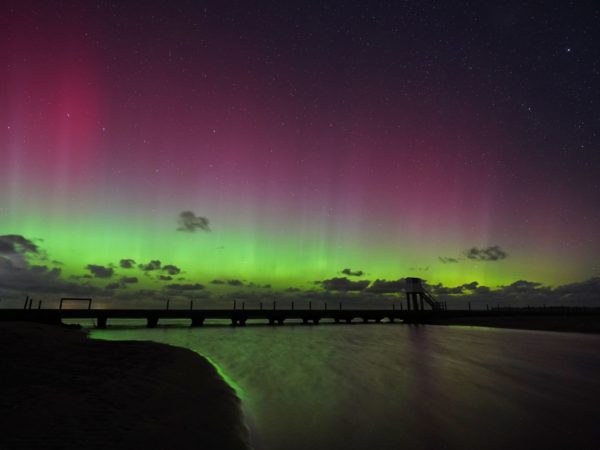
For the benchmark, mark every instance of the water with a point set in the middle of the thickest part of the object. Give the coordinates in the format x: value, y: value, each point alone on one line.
x: 403, y: 387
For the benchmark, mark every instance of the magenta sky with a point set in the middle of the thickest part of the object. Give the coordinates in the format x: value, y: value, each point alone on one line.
x: 378, y: 137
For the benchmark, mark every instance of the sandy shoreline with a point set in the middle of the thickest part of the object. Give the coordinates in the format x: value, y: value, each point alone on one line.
x: 61, y: 390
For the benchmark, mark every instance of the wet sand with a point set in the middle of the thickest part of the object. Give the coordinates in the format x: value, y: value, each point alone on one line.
x: 61, y: 390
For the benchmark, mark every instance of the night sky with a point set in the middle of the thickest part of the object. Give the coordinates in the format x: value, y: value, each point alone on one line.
x: 314, y: 149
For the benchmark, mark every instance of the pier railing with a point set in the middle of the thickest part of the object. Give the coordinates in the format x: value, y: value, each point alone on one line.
x: 273, y: 314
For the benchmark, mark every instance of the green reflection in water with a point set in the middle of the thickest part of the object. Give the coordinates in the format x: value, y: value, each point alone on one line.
x: 401, y: 386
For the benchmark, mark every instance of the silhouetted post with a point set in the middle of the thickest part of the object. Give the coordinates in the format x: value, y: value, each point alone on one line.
x: 274, y: 305
x: 191, y: 304
x: 101, y: 322
x: 340, y: 306
x: 261, y: 306
x: 401, y: 307
x: 234, y: 304
x: 90, y: 304
x: 26, y: 302
x: 393, y: 307
x: 292, y: 305
x: 469, y: 306
x: 243, y: 306
x: 487, y: 307
x: 30, y: 302
x: 325, y: 306
x: 310, y: 306
x: 40, y: 304
x: 168, y: 304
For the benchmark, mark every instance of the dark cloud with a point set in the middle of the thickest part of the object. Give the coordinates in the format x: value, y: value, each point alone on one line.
x: 86, y: 276
x: 171, y: 269
x: 38, y: 279
x: 16, y: 244
x: 122, y: 283
x: 439, y: 289
x: 588, y: 290
x: 493, y: 253
x: 344, y: 284
x: 165, y: 278
x: 387, y: 287
x: 353, y: 273
x: 292, y: 289
x: 100, y: 271
x: 470, y: 286
x: 522, y: 285
x: 18, y: 248
x: 258, y: 286
x: 447, y: 260
x: 482, y: 290
x: 185, y: 287
x: 129, y: 280
x: 523, y: 293
x: 127, y: 263
x: 236, y: 283
x: 190, y: 222
x: 152, y: 265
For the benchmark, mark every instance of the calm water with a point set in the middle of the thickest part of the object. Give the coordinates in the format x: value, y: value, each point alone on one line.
x: 403, y: 387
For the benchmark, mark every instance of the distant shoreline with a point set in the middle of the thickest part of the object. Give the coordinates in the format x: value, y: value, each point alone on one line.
x: 570, y: 324
x: 62, y: 390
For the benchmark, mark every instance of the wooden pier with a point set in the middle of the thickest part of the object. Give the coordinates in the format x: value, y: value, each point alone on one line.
x: 275, y: 316
x: 197, y: 317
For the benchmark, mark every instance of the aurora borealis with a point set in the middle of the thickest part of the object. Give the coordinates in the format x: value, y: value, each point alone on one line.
x: 456, y: 144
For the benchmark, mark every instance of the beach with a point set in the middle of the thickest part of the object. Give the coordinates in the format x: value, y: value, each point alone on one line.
x: 61, y: 390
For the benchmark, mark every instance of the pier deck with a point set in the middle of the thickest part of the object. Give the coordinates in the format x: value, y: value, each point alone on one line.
x: 239, y: 317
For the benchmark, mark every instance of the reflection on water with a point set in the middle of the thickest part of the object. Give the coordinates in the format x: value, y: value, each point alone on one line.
x: 403, y: 387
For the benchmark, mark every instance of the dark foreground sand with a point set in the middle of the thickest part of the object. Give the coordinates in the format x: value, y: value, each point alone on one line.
x: 60, y: 390
x: 589, y: 323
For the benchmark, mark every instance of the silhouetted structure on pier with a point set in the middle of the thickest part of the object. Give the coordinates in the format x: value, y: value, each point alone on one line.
x: 417, y: 296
